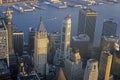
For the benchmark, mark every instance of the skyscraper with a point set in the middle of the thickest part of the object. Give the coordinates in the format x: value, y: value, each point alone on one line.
x: 73, y: 66
x: 109, y: 28
x: 116, y: 61
x: 65, y: 36
x: 31, y: 36
x: 40, y: 48
x: 91, y: 70
x: 105, y: 65
x: 107, y: 42
x: 18, y: 38
x: 87, y: 23
x: 4, y: 54
x: 9, y: 27
x: 81, y: 42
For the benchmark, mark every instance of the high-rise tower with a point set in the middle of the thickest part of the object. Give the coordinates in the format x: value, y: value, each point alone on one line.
x: 12, y: 57
x: 40, y: 48
x: 18, y: 40
x: 105, y: 65
x: 91, y: 70
x: 109, y: 28
x: 65, y: 36
x: 116, y: 61
x: 9, y: 27
x: 4, y: 54
x: 87, y: 23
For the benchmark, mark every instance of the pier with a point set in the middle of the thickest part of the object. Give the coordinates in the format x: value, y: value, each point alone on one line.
x: 38, y: 6
x: 20, y: 2
x: 23, y: 8
x: 17, y: 8
x: 59, y: 5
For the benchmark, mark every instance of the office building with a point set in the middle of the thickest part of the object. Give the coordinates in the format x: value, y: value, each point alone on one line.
x: 41, y: 48
x: 105, y: 65
x: 12, y: 57
x: 54, y: 43
x: 4, y: 51
x: 4, y: 70
x: 9, y: 28
x: 116, y: 61
x: 91, y: 70
x: 32, y: 76
x: 31, y: 36
x: 65, y: 36
x: 18, y: 40
x: 81, y: 42
x: 73, y: 66
x: 57, y: 57
x: 87, y: 23
x: 107, y: 43
x: 109, y: 28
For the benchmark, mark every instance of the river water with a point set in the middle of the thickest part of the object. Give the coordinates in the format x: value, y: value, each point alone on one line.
x: 53, y: 18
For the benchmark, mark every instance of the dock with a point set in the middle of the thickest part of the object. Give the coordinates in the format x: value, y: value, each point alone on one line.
x: 14, y: 3
x: 27, y: 8
x: 38, y: 6
x: 72, y: 4
x: 59, y: 5
x: 18, y: 8
x: 23, y: 8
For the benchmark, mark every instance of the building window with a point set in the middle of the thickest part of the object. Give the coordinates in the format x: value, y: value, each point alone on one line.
x: 94, y: 67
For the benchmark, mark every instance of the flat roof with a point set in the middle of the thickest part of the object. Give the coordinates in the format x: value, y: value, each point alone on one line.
x: 81, y: 37
x: 111, y: 38
x: 92, y: 60
x: 3, y: 67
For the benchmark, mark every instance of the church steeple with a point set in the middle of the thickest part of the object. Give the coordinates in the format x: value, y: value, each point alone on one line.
x: 41, y: 27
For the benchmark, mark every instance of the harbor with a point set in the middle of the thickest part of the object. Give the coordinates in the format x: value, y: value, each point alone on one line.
x: 23, y: 8
x: 37, y: 6
x: 73, y: 4
x: 61, y: 5
x: 3, y: 10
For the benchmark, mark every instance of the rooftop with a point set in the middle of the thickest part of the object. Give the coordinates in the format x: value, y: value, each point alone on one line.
x: 92, y: 61
x: 107, y: 53
x: 32, y: 76
x: 111, y: 38
x: 2, y: 23
x: 41, y: 27
x: 89, y: 11
x: 110, y: 20
x: 81, y: 37
x: 3, y: 67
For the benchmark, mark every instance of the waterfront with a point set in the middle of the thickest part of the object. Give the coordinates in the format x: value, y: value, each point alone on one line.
x: 53, y: 18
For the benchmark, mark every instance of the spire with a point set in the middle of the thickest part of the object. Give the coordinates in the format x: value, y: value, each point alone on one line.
x: 41, y: 27
x: 9, y: 15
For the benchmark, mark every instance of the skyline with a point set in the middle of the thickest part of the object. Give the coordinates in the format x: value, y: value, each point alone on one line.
x: 55, y: 47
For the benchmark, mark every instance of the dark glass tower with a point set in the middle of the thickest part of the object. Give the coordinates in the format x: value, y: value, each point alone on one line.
x: 87, y: 23
x: 109, y: 28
